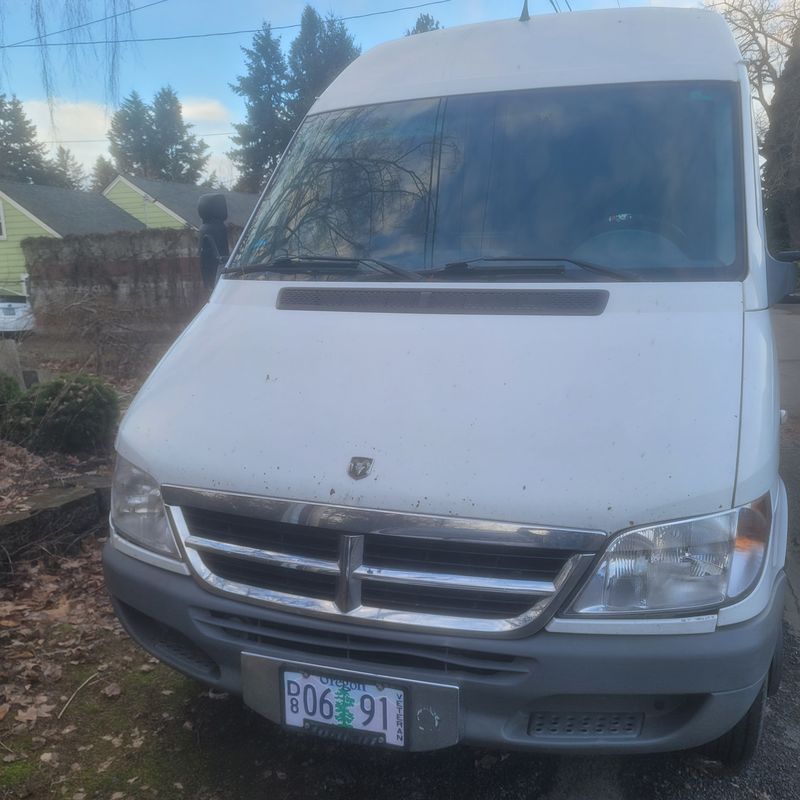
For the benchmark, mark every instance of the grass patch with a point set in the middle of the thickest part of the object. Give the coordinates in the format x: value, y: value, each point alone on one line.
x: 16, y: 774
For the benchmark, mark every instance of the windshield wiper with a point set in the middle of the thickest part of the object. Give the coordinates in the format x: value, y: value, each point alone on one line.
x: 323, y: 265
x: 527, y: 266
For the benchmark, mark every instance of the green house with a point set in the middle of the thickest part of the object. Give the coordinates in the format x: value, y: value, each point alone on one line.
x: 28, y: 210
x: 163, y: 204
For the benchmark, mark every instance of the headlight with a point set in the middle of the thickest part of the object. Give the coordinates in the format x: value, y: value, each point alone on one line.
x: 137, y: 510
x: 680, y: 566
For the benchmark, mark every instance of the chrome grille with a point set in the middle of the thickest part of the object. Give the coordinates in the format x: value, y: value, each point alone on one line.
x: 389, y: 568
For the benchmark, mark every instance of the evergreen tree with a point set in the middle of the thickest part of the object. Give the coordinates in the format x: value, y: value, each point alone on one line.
x: 131, y: 129
x: 176, y: 154
x: 261, y: 139
x: 322, y: 49
x: 22, y: 157
x: 102, y: 174
x: 424, y: 23
x: 67, y: 171
x: 212, y: 182
x: 782, y: 154
x: 151, y: 140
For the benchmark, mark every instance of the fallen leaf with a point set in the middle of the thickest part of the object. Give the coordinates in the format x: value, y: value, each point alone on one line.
x: 60, y: 612
x: 4, y: 709
x: 112, y: 690
x: 49, y: 758
x: 27, y: 714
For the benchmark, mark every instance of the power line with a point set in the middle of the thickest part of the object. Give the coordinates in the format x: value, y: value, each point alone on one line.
x: 85, y: 24
x: 555, y: 7
x: 568, y: 5
x: 100, y: 141
x: 217, y: 33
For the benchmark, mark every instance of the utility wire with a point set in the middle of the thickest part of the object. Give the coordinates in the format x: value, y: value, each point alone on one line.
x: 555, y: 7
x: 85, y: 24
x: 100, y: 141
x: 217, y: 33
x: 570, y: 7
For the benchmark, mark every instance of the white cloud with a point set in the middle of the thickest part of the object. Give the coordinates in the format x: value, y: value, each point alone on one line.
x: 83, y: 128
x: 205, y: 109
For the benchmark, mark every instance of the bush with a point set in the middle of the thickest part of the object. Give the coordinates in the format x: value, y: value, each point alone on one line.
x: 9, y: 393
x: 71, y: 414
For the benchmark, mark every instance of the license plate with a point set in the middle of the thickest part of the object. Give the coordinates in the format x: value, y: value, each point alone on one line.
x: 9, y: 312
x: 310, y: 701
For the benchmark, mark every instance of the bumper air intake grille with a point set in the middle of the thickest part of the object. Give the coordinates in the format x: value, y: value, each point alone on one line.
x: 588, y: 725
x: 304, y: 642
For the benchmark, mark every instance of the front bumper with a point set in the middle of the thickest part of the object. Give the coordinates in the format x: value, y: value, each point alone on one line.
x: 548, y: 692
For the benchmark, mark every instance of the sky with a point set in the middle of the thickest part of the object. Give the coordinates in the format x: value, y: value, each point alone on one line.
x: 200, y: 70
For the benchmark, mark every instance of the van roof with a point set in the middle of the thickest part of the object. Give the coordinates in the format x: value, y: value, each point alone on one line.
x: 582, y: 48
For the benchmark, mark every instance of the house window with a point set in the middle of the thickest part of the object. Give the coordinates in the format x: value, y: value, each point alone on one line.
x: 2, y: 222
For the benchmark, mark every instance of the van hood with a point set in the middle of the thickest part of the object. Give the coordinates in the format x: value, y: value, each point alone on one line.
x: 602, y: 422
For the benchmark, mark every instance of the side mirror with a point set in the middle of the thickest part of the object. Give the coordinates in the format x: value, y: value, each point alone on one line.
x: 212, y: 207
x: 781, y: 275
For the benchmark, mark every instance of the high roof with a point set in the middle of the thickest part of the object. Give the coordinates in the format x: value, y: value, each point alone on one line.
x: 181, y: 199
x: 67, y: 211
x: 581, y: 48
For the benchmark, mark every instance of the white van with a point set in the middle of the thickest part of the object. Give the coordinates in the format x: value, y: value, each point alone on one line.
x: 477, y: 439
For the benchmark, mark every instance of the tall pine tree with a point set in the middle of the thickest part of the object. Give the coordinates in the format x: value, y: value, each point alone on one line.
x: 261, y: 139
x: 176, y: 154
x: 151, y: 140
x: 103, y: 173
x: 424, y: 23
x: 322, y: 49
x: 277, y: 95
x: 22, y: 157
x: 67, y: 172
x: 782, y: 154
x: 129, y: 136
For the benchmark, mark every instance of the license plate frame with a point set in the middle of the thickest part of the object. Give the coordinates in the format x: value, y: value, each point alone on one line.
x: 433, y: 713
x: 334, y: 730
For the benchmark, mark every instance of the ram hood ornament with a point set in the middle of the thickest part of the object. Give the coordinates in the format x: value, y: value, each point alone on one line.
x: 359, y: 467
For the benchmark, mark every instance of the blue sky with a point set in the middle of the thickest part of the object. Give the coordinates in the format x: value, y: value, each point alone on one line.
x: 199, y: 70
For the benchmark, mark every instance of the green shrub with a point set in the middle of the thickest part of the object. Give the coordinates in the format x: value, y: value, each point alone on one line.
x: 9, y: 393
x: 71, y: 414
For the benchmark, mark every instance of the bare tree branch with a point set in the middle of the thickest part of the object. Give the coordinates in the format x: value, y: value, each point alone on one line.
x: 764, y: 30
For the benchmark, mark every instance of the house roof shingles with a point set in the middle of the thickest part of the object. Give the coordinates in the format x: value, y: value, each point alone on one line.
x: 67, y: 211
x: 181, y: 199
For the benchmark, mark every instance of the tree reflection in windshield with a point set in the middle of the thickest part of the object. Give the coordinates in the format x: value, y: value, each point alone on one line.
x: 356, y: 183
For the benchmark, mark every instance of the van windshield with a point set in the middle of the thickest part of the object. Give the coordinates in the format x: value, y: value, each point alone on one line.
x: 639, y: 178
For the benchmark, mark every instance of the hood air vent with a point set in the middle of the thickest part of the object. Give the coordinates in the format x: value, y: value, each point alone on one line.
x: 542, y: 302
